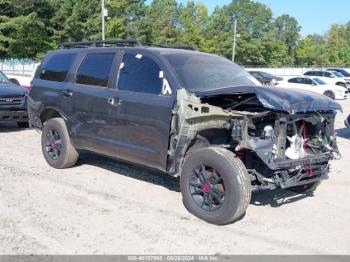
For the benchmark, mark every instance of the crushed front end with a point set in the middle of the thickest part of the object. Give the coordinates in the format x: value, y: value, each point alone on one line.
x: 285, y: 139
x: 283, y: 150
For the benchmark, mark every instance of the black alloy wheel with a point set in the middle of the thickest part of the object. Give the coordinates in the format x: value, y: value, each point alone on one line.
x: 207, y: 188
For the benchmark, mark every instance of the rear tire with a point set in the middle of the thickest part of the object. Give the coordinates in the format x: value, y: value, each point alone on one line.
x: 56, y: 145
x: 330, y: 94
x: 223, y: 194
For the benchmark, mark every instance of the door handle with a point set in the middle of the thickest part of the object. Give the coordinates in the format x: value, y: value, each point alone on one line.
x: 66, y: 93
x: 114, y: 101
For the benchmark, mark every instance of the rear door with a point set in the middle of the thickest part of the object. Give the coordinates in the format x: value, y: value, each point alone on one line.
x: 89, y: 91
x: 49, y: 86
x: 140, y: 110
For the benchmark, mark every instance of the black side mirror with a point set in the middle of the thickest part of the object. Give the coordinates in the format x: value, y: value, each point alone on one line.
x: 14, y: 81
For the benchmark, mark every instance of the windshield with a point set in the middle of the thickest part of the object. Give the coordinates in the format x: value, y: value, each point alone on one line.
x: 337, y: 74
x: 319, y: 81
x: 204, y: 72
x: 267, y: 75
x: 343, y: 72
x: 3, y: 79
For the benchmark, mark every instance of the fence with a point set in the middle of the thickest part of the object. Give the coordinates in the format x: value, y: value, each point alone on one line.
x: 24, y: 67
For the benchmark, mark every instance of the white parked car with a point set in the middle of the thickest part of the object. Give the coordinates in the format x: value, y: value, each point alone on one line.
x: 343, y: 71
x: 316, y: 85
x: 330, y: 77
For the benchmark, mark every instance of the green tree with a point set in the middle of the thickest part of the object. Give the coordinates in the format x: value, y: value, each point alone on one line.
x: 23, y: 37
x: 76, y: 20
x: 288, y: 30
x: 194, y: 19
x: 25, y: 28
x: 338, y: 49
x: 126, y: 19
x: 163, y: 22
x: 254, y: 22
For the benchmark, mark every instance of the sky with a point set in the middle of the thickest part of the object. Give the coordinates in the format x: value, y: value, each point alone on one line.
x: 314, y: 16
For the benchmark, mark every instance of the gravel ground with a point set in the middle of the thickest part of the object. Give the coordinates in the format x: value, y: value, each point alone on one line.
x: 104, y: 206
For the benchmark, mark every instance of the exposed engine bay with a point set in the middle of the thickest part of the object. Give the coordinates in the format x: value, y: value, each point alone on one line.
x: 280, y: 149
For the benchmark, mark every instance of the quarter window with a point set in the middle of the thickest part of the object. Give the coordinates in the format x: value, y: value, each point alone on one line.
x: 57, y: 67
x: 95, y: 70
x: 139, y: 73
x: 295, y: 80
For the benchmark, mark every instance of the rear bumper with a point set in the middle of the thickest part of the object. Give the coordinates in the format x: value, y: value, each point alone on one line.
x: 13, y: 116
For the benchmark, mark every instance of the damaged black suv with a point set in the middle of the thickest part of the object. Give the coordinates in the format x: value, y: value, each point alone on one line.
x: 187, y: 113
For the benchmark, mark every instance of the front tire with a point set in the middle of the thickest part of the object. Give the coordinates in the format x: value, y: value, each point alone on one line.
x: 215, y: 185
x: 56, y: 145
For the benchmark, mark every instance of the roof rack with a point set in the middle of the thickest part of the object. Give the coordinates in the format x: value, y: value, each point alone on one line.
x: 186, y: 47
x: 119, y: 43
x: 102, y: 43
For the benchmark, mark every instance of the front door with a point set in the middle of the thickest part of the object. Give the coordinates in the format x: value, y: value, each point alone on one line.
x: 140, y: 111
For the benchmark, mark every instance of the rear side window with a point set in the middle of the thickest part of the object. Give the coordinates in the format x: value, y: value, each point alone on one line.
x: 293, y: 80
x: 57, y: 67
x: 139, y: 73
x: 95, y: 70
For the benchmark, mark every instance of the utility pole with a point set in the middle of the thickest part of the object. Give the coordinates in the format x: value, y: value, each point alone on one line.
x: 103, y: 12
x: 234, y: 37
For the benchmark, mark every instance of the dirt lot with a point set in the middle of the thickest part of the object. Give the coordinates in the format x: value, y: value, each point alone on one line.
x: 107, y: 207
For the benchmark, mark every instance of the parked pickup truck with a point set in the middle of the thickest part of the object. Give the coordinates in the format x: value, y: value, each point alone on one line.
x: 187, y: 113
x: 13, y: 102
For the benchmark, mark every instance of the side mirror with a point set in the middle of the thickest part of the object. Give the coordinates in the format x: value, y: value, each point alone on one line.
x: 14, y: 81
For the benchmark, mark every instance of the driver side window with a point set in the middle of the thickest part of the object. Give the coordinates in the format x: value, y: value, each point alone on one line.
x: 139, y: 73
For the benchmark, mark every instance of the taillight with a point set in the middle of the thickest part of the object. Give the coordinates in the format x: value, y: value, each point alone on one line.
x: 26, y: 87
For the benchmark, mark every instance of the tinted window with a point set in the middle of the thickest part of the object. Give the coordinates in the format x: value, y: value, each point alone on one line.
x: 95, y: 70
x: 57, y: 67
x: 308, y: 81
x: 139, y: 73
x: 293, y: 80
x: 296, y: 80
x: 202, y: 72
x: 327, y: 74
x: 309, y: 73
x: 3, y: 78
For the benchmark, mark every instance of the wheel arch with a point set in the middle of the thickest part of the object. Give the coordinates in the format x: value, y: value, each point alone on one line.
x: 340, y: 84
x: 49, y: 112
x: 329, y: 91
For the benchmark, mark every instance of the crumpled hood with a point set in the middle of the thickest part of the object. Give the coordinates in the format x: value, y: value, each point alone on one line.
x: 281, y: 99
x: 9, y: 89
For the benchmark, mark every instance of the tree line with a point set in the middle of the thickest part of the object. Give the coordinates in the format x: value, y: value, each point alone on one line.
x: 29, y: 28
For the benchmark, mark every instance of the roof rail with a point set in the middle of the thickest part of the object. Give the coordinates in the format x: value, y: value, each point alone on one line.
x: 102, y: 43
x: 186, y: 47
